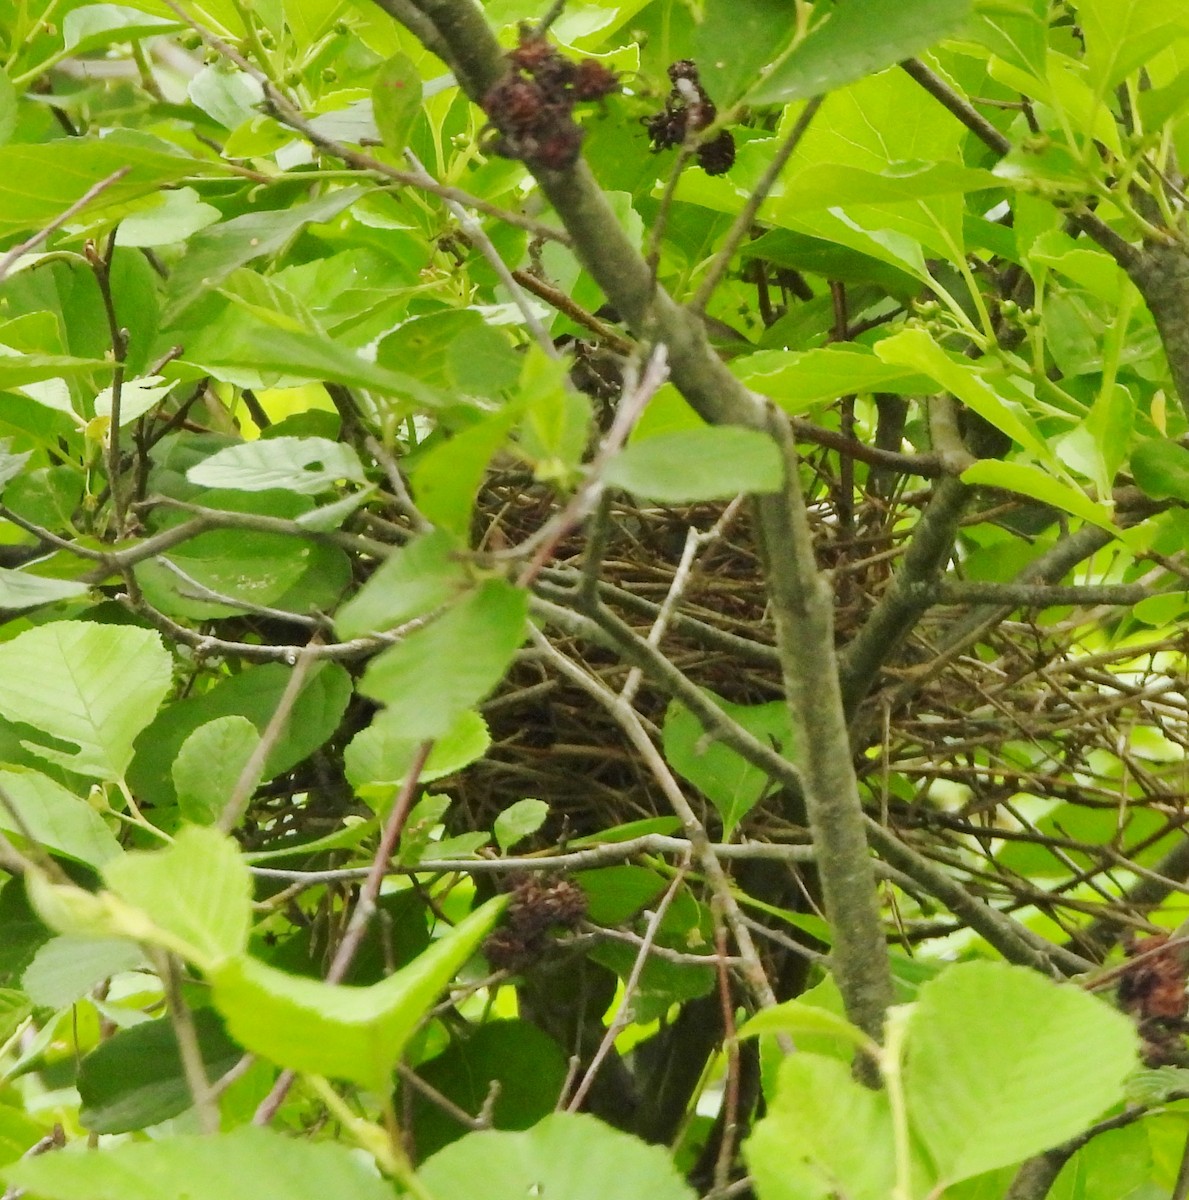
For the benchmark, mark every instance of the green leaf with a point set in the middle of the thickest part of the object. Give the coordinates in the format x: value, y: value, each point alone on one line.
x: 39, y: 182
x: 698, y: 464
x: 209, y: 764
x: 378, y: 758
x: 60, y: 821
x: 171, y: 217
x: 1122, y: 35
x: 732, y: 784
x: 14, y: 1008
x: 800, y: 380
x: 249, y: 1161
x: 65, y: 969
x: 23, y: 589
x: 436, y: 672
x: 135, y: 1079
x: 796, y: 1018
x: 396, y: 101
x: 529, y: 1067
x: 91, y: 687
x: 214, y: 253
x: 96, y: 25
x: 343, y: 1032
x: 853, y: 40
x: 734, y: 40
x: 1031, y: 481
x: 567, y: 1156
x: 915, y: 348
x: 410, y: 582
x: 447, y: 479
x: 518, y: 821
x: 254, y: 694
x: 998, y: 1067
x: 198, y: 889
x: 1161, y: 468
x: 303, y: 465
x: 825, y: 1135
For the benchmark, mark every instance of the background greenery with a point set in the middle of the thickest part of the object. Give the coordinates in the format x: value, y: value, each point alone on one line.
x: 534, y: 663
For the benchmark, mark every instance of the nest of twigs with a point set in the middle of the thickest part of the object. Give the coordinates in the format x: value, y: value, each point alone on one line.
x: 1022, y: 719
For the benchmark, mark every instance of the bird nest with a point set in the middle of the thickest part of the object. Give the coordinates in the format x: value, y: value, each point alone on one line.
x: 1043, y: 749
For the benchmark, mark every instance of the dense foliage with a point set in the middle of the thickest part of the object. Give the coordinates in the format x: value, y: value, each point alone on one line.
x: 593, y: 599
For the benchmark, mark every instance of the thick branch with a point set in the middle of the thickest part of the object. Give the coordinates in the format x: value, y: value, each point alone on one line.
x: 802, y: 603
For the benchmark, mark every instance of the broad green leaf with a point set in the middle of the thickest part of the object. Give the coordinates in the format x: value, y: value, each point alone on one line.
x: 96, y: 25
x: 529, y: 1067
x: 39, y: 182
x: 209, y: 764
x: 65, y: 969
x: 998, y: 1068
x: 92, y: 687
x: 915, y: 348
x: 215, y: 252
x: 1031, y: 481
x: 797, y: 1018
x: 1016, y: 32
x: 198, y: 889
x: 850, y: 41
x: 410, y: 582
x: 14, y: 1008
x: 698, y: 464
x: 378, y: 758
x: 303, y: 465
x: 801, y: 380
x: 447, y: 479
x: 254, y: 694
x: 258, y: 1162
x: 1122, y: 35
x: 734, y: 40
x: 1161, y: 468
x: 62, y: 822
x: 567, y: 1156
x: 732, y: 784
x: 343, y: 1032
x: 171, y: 217
x: 396, y: 101
x: 135, y: 1079
x: 137, y: 397
x: 518, y: 821
x: 448, y: 666
x: 23, y: 589
x: 825, y: 1135
x: 226, y: 95
x: 272, y: 348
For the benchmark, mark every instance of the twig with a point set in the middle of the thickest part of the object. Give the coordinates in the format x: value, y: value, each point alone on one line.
x: 365, y: 908
x: 623, y: 1014
x: 93, y: 192
x: 586, y: 496
x: 249, y: 776
x: 182, y: 1019
x: 694, y: 541
x: 477, y: 236
x: 747, y: 214
x: 703, y: 851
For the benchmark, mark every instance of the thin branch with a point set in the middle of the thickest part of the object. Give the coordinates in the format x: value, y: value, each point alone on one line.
x: 249, y: 776
x: 623, y: 1014
x: 477, y: 236
x: 703, y: 851
x: 742, y: 224
x: 365, y: 908
x: 12, y: 256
